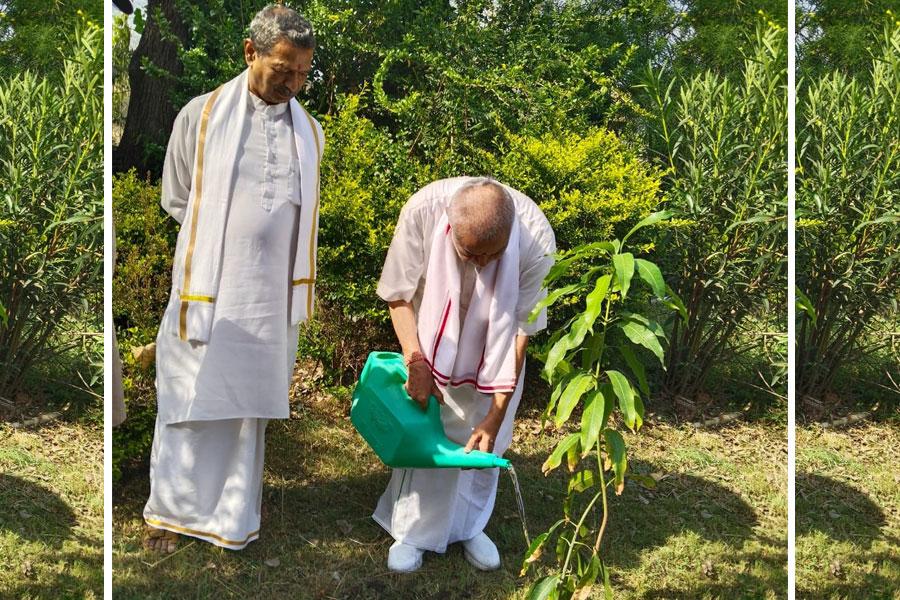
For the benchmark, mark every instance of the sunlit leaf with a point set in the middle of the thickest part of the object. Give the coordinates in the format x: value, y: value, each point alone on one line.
x: 544, y: 588
x: 624, y: 264
x: 622, y: 388
x: 651, y: 274
x: 575, y: 389
x: 555, y: 459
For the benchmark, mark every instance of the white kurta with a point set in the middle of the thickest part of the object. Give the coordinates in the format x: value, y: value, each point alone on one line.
x: 214, y: 399
x: 245, y: 369
x: 431, y: 508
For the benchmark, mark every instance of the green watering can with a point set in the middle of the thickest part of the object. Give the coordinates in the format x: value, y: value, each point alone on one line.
x: 396, y: 427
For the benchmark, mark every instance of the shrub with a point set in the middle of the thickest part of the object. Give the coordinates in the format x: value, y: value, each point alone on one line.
x: 848, y: 209
x: 145, y: 246
x: 591, y: 187
x: 723, y: 143
x: 51, y: 185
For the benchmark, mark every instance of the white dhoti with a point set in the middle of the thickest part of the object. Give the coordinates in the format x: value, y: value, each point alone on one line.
x: 206, y: 480
x: 432, y: 508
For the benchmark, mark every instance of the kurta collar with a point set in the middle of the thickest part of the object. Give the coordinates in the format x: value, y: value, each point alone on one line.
x: 255, y: 103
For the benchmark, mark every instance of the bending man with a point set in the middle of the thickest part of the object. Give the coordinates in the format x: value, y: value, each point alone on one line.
x: 463, y: 272
x: 242, y: 177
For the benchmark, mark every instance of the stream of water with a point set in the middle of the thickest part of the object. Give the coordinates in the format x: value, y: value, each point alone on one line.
x: 519, y: 503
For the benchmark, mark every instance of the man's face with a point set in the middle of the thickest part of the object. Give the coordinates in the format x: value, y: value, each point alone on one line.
x: 277, y: 77
x: 479, y: 253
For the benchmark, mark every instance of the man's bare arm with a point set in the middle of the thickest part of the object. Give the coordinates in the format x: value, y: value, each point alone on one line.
x: 484, y: 435
x: 420, y: 384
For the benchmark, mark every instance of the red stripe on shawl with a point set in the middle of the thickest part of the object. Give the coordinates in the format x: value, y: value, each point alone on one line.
x: 437, y: 341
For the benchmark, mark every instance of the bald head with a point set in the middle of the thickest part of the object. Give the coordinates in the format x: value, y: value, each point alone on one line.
x: 481, y: 211
x: 481, y: 214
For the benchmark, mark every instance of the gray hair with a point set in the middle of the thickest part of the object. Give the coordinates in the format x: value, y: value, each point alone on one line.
x: 275, y: 23
x: 492, y: 216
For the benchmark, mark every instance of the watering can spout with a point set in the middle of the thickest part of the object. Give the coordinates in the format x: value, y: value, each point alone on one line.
x: 398, y: 430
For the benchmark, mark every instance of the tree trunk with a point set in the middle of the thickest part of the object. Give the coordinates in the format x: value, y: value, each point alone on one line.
x: 150, y: 110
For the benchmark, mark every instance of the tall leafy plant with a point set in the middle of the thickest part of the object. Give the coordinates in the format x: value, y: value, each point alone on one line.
x: 51, y: 204
x: 723, y: 141
x: 848, y: 210
x: 586, y: 391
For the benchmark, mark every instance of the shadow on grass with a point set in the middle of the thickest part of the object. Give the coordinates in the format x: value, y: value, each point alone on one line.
x: 843, y: 513
x: 838, y: 510
x: 34, y: 513
x: 33, y: 517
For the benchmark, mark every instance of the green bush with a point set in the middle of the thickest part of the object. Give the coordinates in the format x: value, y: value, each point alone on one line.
x: 591, y: 187
x: 51, y: 186
x: 145, y: 246
x: 723, y: 143
x: 848, y: 210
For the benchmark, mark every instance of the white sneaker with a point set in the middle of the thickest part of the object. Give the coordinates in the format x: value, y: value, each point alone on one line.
x: 403, y: 558
x: 482, y: 553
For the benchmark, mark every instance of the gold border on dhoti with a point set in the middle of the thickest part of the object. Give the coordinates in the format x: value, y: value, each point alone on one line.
x: 189, y: 531
x: 186, y: 296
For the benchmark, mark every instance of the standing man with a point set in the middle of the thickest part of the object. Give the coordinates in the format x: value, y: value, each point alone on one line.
x: 463, y: 272
x: 242, y: 177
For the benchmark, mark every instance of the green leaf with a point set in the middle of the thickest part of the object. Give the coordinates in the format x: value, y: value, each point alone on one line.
x: 674, y: 302
x: 637, y: 367
x: 580, y: 327
x: 545, y: 587
x: 576, y: 388
x: 624, y: 264
x: 751, y: 221
x: 555, y: 459
x: 557, y: 392
x: 592, y: 420
x: 588, y: 578
x: 649, y: 220
x: 642, y: 336
x: 625, y: 394
x: 651, y: 274
x: 573, y: 456
x: 615, y: 447
x: 806, y: 305
x: 650, y: 324
x: 582, y: 480
x: 536, y: 548
x: 551, y: 298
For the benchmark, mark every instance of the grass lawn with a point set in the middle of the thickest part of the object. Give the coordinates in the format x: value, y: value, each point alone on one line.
x: 720, y: 501
x: 51, y: 512
x: 848, y: 512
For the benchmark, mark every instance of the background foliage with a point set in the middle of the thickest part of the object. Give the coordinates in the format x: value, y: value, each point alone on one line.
x: 37, y: 34
x: 723, y: 142
x: 542, y: 95
x: 848, y: 230
x: 51, y: 241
